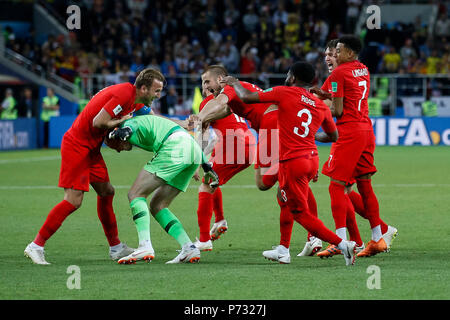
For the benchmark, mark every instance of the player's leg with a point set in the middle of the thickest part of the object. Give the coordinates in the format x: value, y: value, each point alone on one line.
x: 295, y: 177
x: 74, y: 178
x: 204, y: 215
x: 144, y: 184
x: 159, y: 204
x: 364, y: 170
x: 313, y: 244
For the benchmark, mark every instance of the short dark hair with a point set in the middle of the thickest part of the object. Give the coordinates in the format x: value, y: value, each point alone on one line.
x: 351, y: 42
x: 332, y: 43
x: 147, y: 76
x: 303, y: 71
x: 216, y: 69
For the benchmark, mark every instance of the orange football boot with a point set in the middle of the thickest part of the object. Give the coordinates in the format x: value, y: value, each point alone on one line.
x: 330, y: 251
x: 373, y: 248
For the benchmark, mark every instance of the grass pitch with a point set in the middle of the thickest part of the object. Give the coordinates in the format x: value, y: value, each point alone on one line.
x: 412, y: 185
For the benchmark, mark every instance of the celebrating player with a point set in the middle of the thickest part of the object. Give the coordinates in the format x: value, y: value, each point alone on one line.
x: 261, y: 117
x: 351, y: 157
x: 300, y: 116
x: 82, y: 162
x: 177, y: 157
x: 355, y: 202
x: 233, y: 152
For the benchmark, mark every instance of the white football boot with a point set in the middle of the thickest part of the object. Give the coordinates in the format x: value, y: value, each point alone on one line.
x: 218, y: 229
x: 311, y: 247
x: 141, y: 253
x: 389, y: 237
x: 349, y: 252
x: 279, y: 253
x: 120, y: 252
x: 203, y: 246
x: 35, y: 253
x: 188, y: 254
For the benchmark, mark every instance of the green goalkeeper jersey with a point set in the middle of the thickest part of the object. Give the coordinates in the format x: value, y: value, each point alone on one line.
x: 150, y: 132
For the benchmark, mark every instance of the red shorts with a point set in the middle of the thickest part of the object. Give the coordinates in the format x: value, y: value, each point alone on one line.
x: 227, y: 169
x: 267, y: 151
x: 80, y: 165
x: 294, y: 176
x: 351, y: 156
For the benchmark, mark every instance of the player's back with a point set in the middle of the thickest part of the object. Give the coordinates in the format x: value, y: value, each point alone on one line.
x: 300, y: 116
x: 252, y: 112
x: 351, y: 80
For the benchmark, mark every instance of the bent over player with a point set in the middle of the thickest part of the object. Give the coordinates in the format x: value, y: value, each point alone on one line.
x: 176, y: 158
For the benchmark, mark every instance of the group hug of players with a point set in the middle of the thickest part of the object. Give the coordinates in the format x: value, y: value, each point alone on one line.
x: 287, y: 121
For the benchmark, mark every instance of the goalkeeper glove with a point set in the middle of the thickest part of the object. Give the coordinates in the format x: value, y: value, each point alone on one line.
x: 121, y: 133
x: 210, y: 175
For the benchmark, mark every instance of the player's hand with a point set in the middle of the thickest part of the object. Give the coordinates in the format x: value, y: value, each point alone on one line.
x: 196, y: 175
x: 322, y: 95
x: 210, y: 175
x: 192, y: 121
x: 316, y: 177
x: 229, y: 80
x: 120, y: 133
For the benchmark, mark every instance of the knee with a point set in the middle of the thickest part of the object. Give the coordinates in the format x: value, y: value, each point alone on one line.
x: 74, y: 199
x: 107, y: 191
x: 157, y: 206
x: 205, y: 188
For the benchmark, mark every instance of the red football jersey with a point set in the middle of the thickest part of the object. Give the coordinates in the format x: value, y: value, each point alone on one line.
x: 252, y: 112
x: 300, y: 115
x: 232, y: 121
x: 326, y: 85
x: 237, y: 127
x: 117, y: 100
x: 351, y: 80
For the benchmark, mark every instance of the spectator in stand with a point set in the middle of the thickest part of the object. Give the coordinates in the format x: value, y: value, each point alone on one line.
x: 391, y: 61
x: 26, y: 107
x: 248, y: 61
x: 291, y: 30
x: 432, y: 62
x: 442, y: 26
x: 407, y: 50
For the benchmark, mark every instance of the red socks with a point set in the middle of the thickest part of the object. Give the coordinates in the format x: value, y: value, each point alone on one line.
x: 370, y: 201
x: 352, y: 227
x: 218, y: 205
x: 204, y: 214
x: 338, y: 204
x: 312, y: 205
x: 108, y: 219
x: 316, y: 227
x: 286, y: 224
x: 358, y: 204
x: 54, y: 220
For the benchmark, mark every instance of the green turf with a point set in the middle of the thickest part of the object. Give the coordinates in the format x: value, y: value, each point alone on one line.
x: 413, y: 188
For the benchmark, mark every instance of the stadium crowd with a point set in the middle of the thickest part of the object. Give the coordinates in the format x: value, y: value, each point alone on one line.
x: 254, y: 38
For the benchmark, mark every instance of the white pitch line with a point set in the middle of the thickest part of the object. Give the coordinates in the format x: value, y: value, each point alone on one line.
x: 6, y: 161
x: 245, y: 186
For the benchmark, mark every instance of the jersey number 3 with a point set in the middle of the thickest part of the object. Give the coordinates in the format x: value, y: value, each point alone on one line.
x: 304, y: 124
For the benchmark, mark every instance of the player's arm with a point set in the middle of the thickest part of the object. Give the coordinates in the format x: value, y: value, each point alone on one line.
x: 215, y: 109
x: 319, y: 93
x: 103, y: 120
x: 337, y: 106
x: 330, y: 132
x: 244, y: 94
x: 211, y: 142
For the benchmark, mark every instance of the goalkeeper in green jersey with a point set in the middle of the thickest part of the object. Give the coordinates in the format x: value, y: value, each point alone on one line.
x: 176, y: 158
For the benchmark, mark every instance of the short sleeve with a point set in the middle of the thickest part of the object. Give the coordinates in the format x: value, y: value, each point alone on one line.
x: 271, y: 95
x: 229, y: 92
